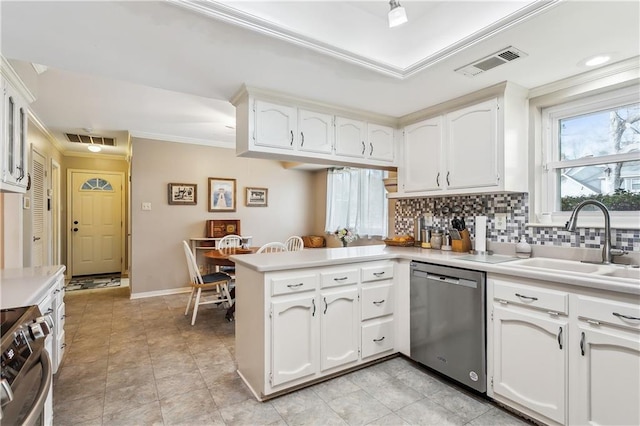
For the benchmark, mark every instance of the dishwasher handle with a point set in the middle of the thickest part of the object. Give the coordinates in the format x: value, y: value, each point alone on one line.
x: 428, y: 276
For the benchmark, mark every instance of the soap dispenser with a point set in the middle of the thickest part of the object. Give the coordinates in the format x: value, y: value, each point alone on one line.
x: 523, y: 249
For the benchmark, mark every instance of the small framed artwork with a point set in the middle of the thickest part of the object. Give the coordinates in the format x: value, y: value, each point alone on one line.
x: 256, y: 197
x: 185, y: 194
x: 222, y: 195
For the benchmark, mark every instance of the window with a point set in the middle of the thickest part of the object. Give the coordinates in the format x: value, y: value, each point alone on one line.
x: 591, y: 150
x: 356, y: 199
x: 96, y: 184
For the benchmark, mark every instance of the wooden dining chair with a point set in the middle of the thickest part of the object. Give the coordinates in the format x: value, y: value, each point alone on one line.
x: 273, y: 247
x: 207, y: 289
x: 294, y: 243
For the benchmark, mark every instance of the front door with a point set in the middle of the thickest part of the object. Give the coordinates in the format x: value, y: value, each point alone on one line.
x: 96, y: 222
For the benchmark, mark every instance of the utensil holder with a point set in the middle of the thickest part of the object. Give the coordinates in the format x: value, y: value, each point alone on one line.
x: 463, y: 245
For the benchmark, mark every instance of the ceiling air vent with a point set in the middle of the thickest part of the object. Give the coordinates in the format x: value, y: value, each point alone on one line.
x: 91, y: 139
x: 502, y: 57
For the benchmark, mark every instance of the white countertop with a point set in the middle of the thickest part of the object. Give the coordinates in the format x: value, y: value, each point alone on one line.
x: 26, y: 286
x: 309, y: 258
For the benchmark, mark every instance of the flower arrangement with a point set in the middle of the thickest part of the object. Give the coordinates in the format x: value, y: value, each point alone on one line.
x: 345, y: 235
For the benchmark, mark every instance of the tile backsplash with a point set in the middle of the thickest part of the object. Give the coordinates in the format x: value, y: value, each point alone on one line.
x: 516, y: 208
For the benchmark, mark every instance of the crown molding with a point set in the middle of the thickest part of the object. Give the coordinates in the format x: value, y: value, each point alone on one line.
x: 228, y: 14
x: 44, y: 130
x: 14, y: 79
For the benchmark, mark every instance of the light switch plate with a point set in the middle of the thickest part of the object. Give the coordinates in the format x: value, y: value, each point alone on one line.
x: 501, y: 221
x: 146, y: 206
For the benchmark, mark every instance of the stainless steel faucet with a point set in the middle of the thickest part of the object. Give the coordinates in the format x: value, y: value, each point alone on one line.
x: 607, y: 251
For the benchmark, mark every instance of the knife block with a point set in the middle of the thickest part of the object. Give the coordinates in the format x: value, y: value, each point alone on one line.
x: 462, y: 245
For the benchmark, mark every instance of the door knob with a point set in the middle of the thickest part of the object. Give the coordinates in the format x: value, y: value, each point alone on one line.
x: 36, y: 239
x: 75, y: 229
x: 75, y: 222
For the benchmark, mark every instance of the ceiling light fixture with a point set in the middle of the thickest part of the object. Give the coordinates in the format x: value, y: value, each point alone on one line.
x: 397, y: 14
x: 597, y: 60
x: 94, y: 148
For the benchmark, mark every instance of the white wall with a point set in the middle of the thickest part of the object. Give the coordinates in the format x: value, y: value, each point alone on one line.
x: 157, y: 258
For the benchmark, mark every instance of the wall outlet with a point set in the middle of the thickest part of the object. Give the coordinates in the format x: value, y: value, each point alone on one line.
x: 146, y: 206
x: 501, y: 221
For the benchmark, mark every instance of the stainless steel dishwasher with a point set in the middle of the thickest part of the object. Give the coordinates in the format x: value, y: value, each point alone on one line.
x: 448, y: 322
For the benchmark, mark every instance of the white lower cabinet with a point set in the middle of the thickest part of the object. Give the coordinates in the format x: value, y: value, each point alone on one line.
x: 339, y: 323
x: 564, y: 354
x: 294, y: 337
x: 605, y: 375
x: 294, y: 327
x: 530, y: 360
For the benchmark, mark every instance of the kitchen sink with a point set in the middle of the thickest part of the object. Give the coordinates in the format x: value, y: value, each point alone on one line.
x: 633, y: 273
x: 557, y: 265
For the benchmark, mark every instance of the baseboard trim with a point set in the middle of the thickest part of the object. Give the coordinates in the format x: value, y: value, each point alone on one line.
x: 167, y: 292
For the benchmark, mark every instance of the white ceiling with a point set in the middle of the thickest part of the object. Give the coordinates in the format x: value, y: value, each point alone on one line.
x: 166, y: 70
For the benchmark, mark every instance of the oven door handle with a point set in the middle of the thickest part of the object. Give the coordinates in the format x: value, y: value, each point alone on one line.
x: 43, y: 392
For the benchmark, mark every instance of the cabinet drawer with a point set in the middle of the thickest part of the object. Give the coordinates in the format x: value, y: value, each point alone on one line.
x: 377, y: 301
x: 609, y: 311
x: 337, y: 278
x: 377, y: 337
x: 377, y: 272
x: 539, y: 298
x: 293, y: 284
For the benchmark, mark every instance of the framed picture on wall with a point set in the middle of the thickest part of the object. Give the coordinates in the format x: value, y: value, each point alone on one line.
x: 222, y: 195
x: 185, y: 194
x: 256, y: 197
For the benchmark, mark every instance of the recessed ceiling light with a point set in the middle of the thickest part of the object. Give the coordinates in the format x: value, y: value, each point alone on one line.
x: 94, y: 148
x: 597, y: 60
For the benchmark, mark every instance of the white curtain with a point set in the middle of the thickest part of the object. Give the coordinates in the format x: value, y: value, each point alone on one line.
x: 356, y: 199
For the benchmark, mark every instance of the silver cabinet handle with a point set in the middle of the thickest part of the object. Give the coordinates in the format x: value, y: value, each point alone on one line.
x: 370, y: 148
x: 582, y: 344
x: 526, y: 297
x: 379, y: 340
x: 438, y: 180
x: 378, y: 274
x: 340, y: 279
x: 448, y: 184
x: 626, y: 316
x: 313, y: 302
x: 378, y: 302
x: 560, y: 338
x: 363, y: 147
x: 301, y: 138
x: 294, y: 285
x: 291, y: 137
x: 326, y: 305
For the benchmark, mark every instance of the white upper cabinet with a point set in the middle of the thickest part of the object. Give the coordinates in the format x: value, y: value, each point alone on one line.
x: 473, y: 148
x: 13, y: 136
x: 275, y: 125
x: 423, y: 144
x: 315, y: 131
x: 350, y: 137
x: 284, y: 128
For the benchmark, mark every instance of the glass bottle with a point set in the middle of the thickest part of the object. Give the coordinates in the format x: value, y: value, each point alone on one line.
x: 436, y: 239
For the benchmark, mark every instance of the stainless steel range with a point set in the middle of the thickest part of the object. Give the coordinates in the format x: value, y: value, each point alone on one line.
x: 26, y: 376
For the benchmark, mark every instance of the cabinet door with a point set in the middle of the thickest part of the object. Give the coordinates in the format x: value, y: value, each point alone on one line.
x: 339, y: 328
x: 472, y: 151
x: 350, y: 137
x: 530, y: 361
x: 316, y: 131
x: 380, y: 139
x: 275, y: 125
x: 422, y: 169
x: 606, y: 386
x: 294, y: 339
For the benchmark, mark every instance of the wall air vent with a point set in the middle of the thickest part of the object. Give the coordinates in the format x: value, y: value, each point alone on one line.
x: 91, y: 139
x: 502, y: 57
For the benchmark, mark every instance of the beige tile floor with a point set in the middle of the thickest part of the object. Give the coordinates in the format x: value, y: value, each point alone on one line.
x: 140, y: 362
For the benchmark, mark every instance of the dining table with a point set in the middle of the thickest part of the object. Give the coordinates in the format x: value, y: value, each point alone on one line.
x: 220, y: 258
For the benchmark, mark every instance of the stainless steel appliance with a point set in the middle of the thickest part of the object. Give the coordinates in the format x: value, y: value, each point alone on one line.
x: 448, y: 322
x: 26, y: 368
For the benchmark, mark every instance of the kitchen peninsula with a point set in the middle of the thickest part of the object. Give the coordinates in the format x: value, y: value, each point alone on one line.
x: 309, y: 315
